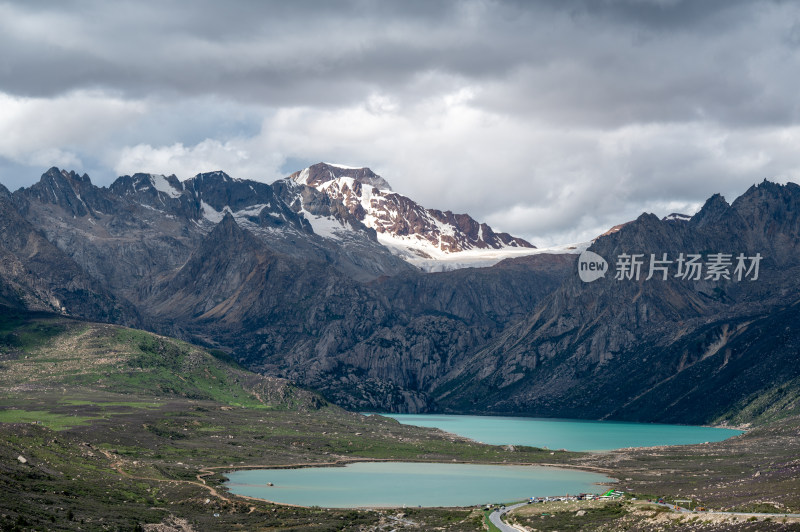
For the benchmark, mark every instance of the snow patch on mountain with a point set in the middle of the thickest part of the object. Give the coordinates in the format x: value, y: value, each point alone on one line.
x: 344, y: 167
x: 211, y: 214
x: 161, y: 184
x: 325, y: 226
x: 252, y: 211
x: 476, y: 258
x: 302, y: 177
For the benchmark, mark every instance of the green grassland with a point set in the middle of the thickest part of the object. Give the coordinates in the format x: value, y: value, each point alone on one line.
x: 121, y: 428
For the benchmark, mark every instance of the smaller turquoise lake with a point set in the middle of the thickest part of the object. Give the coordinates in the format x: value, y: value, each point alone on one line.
x: 569, y: 434
x: 398, y: 484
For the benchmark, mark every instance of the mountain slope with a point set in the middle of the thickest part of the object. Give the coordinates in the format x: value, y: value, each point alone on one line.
x: 654, y: 349
x: 122, y: 244
x: 366, y: 346
x: 35, y: 274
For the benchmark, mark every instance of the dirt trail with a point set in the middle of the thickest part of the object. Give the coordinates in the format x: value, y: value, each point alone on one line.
x: 117, y: 463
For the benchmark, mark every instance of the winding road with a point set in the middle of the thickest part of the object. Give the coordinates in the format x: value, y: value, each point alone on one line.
x: 495, y: 518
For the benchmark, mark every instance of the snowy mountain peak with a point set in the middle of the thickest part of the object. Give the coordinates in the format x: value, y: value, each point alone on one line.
x: 321, y: 173
x: 408, y: 229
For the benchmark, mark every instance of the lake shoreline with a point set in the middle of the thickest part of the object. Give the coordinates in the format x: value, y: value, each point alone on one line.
x: 539, y: 479
x: 575, y: 435
x: 612, y: 475
x: 343, y: 462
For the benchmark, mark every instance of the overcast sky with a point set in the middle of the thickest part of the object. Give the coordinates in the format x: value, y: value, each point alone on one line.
x: 551, y: 120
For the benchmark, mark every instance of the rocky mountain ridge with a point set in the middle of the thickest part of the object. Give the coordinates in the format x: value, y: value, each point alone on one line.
x: 240, y: 266
x: 36, y: 275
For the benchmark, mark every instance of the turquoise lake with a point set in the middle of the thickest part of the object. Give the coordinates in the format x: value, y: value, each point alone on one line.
x: 395, y: 484
x: 573, y: 435
x: 398, y: 484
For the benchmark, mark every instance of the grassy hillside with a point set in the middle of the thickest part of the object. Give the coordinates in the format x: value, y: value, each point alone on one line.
x: 42, y: 354
x: 117, y: 428
x: 773, y: 404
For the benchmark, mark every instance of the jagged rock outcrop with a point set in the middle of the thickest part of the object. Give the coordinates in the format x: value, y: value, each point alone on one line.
x: 73, y: 193
x: 36, y: 275
x: 122, y: 243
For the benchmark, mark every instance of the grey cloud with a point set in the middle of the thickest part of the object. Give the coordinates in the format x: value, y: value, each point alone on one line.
x: 662, y: 15
x: 204, y: 47
x: 657, y: 60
